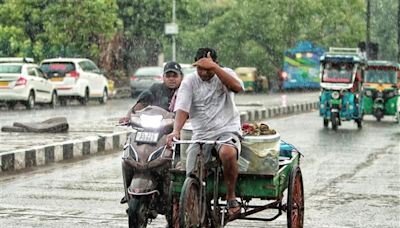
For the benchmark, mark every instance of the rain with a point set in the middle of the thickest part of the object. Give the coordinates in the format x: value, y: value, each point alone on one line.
x: 71, y: 71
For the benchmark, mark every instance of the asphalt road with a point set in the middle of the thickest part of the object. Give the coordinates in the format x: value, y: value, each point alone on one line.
x: 351, y: 179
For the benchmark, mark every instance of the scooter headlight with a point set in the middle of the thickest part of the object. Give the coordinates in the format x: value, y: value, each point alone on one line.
x: 156, y: 154
x: 368, y: 93
x: 335, y: 95
x: 133, y: 153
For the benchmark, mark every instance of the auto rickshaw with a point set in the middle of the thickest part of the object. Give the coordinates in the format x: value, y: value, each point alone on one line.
x: 341, y: 82
x: 253, y: 82
x: 381, y: 89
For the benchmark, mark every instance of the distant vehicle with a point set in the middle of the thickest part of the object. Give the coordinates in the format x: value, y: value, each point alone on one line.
x: 144, y: 77
x: 342, y: 71
x: 253, y: 82
x: 187, y: 68
x: 22, y: 81
x: 381, y: 89
x: 76, y: 78
x: 301, y: 67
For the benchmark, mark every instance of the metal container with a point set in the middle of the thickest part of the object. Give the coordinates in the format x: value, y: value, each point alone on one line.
x: 261, y: 153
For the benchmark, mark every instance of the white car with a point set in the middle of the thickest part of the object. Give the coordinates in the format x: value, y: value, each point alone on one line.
x: 76, y: 78
x: 22, y: 81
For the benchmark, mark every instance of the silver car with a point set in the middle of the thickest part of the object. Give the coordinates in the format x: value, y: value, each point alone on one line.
x: 144, y: 77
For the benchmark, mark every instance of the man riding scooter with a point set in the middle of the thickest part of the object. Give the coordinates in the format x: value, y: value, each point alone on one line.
x: 146, y: 160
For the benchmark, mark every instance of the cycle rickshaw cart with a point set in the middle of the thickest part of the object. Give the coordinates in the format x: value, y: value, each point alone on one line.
x: 200, y: 194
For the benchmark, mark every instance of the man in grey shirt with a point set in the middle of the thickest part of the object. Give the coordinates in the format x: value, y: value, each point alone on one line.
x: 207, y: 97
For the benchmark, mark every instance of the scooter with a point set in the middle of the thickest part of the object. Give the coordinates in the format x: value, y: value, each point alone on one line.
x: 145, y: 165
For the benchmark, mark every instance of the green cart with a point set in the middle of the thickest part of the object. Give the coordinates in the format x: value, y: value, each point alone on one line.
x: 196, y: 199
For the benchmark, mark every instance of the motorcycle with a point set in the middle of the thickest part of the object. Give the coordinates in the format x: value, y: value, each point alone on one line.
x: 145, y: 165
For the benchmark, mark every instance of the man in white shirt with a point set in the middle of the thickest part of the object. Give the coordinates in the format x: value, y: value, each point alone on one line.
x: 207, y: 97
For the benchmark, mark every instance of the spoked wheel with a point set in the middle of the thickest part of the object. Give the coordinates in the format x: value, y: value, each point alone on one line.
x: 295, y: 199
x: 138, y: 212
x: 190, y: 211
x: 173, y: 208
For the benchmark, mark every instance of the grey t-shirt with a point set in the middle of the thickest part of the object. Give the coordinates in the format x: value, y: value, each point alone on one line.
x: 210, y: 105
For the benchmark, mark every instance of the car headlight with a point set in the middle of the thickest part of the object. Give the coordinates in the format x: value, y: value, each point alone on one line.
x: 368, y: 93
x: 335, y: 95
x: 156, y: 153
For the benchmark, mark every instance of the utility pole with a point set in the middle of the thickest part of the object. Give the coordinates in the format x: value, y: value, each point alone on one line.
x: 398, y: 32
x: 173, y: 35
x: 172, y: 29
x: 367, y: 41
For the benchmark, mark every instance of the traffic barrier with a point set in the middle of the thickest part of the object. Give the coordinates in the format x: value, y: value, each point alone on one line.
x: 43, y: 155
x: 74, y: 149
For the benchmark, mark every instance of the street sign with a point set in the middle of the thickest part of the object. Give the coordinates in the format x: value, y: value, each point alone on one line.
x: 171, y: 28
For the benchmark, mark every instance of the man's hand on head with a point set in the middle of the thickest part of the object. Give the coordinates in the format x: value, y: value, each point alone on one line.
x: 206, y: 63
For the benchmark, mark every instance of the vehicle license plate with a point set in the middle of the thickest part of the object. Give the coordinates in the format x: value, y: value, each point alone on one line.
x: 149, y: 137
x: 3, y: 83
x: 57, y: 79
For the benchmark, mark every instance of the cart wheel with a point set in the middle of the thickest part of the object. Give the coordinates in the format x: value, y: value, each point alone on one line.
x: 173, y: 208
x: 295, y: 199
x: 190, y: 213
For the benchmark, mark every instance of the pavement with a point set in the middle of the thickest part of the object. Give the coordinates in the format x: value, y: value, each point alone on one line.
x: 44, y: 149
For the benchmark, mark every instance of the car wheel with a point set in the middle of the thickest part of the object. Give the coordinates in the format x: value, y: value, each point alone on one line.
x: 84, y: 100
x: 104, y: 98
x: 62, y: 101
x: 54, y: 100
x: 30, y: 103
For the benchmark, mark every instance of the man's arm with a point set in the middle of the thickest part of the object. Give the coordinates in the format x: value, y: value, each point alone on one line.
x: 180, y: 119
x: 228, y: 80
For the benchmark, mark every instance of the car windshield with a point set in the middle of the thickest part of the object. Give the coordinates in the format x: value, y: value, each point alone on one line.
x: 149, y: 71
x: 57, y: 68
x: 380, y: 76
x: 338, y: 72
x: 10, y: 68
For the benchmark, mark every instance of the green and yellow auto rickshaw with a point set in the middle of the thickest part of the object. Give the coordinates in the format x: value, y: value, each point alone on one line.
x: 253, y: 82
x: 381, y: 89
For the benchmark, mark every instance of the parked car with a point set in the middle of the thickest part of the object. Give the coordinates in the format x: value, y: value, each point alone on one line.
x: 144, y: 77
x: 23, y: 81
x: 76, y: 78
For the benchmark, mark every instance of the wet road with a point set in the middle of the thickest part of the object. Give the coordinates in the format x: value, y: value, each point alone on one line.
x: 351, y: 179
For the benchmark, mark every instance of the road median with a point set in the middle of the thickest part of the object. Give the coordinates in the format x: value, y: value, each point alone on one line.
x: 108, y: 142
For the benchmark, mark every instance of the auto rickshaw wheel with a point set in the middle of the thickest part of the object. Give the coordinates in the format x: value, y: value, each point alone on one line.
x: 334, y: 120
x: 326, y: 122
x: 359, y: 123
x: 295, y: 199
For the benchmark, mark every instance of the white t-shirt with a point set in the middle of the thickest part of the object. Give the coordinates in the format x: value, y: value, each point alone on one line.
x: 210, y: 105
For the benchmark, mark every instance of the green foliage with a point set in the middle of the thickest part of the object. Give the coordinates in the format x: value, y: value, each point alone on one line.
x: 49, y: 28
x: 122, y: 35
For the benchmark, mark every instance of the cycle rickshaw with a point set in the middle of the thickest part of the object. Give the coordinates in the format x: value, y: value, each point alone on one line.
x: 200, y: 194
